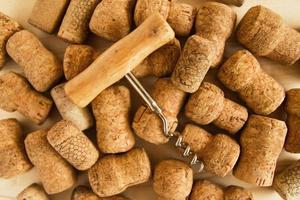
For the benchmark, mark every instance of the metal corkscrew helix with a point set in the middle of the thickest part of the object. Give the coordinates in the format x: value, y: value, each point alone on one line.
x: 155, y: 108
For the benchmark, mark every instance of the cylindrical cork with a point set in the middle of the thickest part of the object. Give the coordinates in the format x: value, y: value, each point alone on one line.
x: 113, y: 20
x: 181, y: 18
x: 147, y: 124
x: 264, y: 33
x: 193, y: 64
x: 242, y: 73
x: 112, y: 174
x: 292, y: 108
x: 75, y: 25
x: 41, y: 67
x: 81, y: 117
x: 111, y: 109
x: 237, y: 193
x: 77, y: 58
x: 161, y: 62
x: 215, y: 22
x: 33, y: 192
x: 204, y: 190
x: 17, y: 95
x: 287, y: 183
x: 55, y: 173
x: 261, y: 143
x: 173, y: 180
x: 85, y: 193
x: 47, y: 14
x: 13, y: 156
x: 73, y: 145
x: 8, y: 27
x: 238, y: 3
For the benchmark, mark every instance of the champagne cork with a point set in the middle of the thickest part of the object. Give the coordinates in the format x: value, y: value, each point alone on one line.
x: 41, y: 67
x: 54, y: 172
x: 84, y: 193
x: 111, y: 109
x: 147, y: 124
x: 204, y: 190
x: 14, y: 160
x: 261, y: 143
x: 237, y: 193
x: 112, y: 174
x: 33, y: 192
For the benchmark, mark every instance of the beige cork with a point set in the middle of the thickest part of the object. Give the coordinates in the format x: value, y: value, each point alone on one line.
x: 13, y: 156
x: 238, y: 3
x: 261, y: 143
x: 292, y: 108
x: 111, y: 109
x: 264, y: 33
x: 85, y: 193
x: 73, y: 145
x: 161, y: 62
x: 237, y: 193
x: 206, y: 190
x: 242, y: 73
x: 113, y: 20
x: 173, y: 180
x: 47, y: 14
x: 55, y: 173
x: 215, y: 22
x: 17, y: 95
x: 147, y: 124
x: 113, y: 174
x: 8, y: 27
x: 193, y: 64
x: 77, y: 58
x: 41, y: 67
x: 33, y: 192
x: 287, y: 182
x: 75, y: 24
x: 81, y: 117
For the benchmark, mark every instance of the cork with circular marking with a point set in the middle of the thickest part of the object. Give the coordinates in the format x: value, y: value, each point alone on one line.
x: 173, y: 179
x: 85, y: 193
x: 206, y: 190
x: 55, y: 173
x: 261, y: 143
x: 33, y: 192
x: 75, y: 25
x: 41, y: 67
x: 113, y: 174
x: 113, y: 20
x: 237, y: 193
x: 193, y: 64
x: 13, y: 160
x: 287, y: 183
x: 147, y: 124
x: 111, y: 109
x: 17, y: 95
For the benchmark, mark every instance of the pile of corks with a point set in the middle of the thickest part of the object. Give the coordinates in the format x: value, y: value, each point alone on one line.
x: 115, y: 164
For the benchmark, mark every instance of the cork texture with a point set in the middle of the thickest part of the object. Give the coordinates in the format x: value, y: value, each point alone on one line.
x: 234, y: 2
x: 13, y: 160
x: 33, y: 192
x: 111, y: 109
x: 112, y: 174
x: 237, y: 193
x: 206, y: 190
x: 84, y: 193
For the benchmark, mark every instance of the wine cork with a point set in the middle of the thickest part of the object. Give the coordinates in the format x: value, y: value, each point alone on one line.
x: 73, y: 145
x: 173, y: 180
x: 33, y: 192
x: 238, y: 3
x: 215, y: 22
x: 75, y: 24
x: 8, y: 27
x: 112, y: 174
x: 112, y: 20
x: 13, y: 156
x: 41, y: 67
x: 47, y: 14
x: 193, y: 64
x: 111, y: 109
x: 80, y: 117
x: 147, y: 124
x: 242, y: 73
x: 17, y: 95
x: 55, y: 173
x: 287, y: 182
x: 84, y: 193
x: 237, y: 193
x: 261, y: 143
x: 204, y: 190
